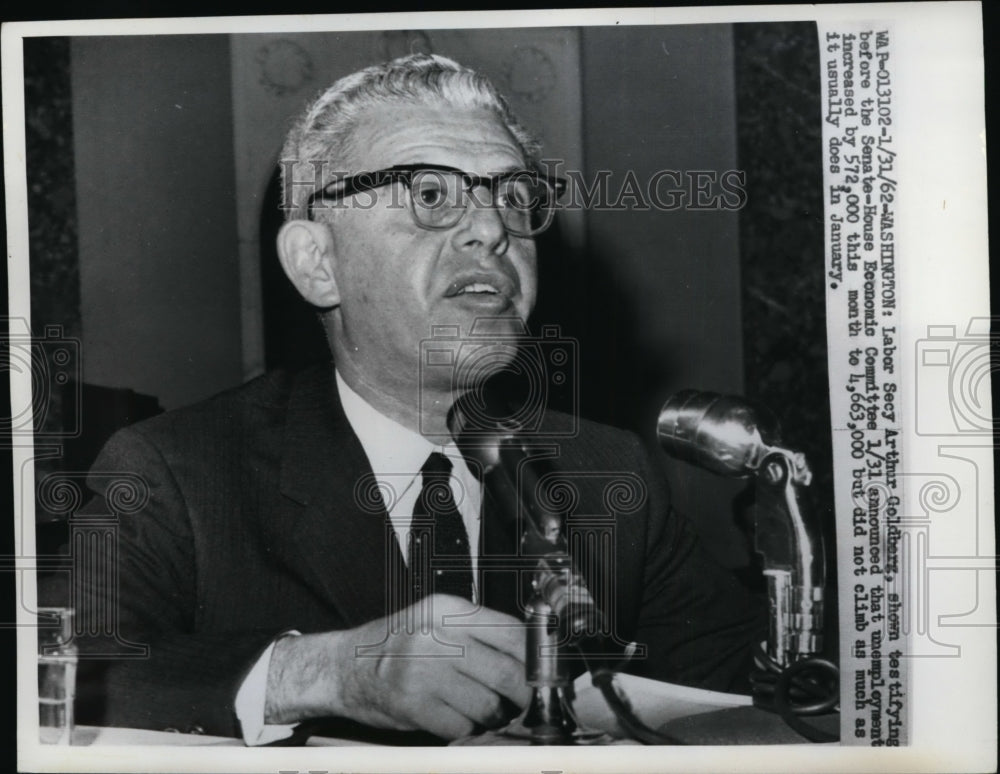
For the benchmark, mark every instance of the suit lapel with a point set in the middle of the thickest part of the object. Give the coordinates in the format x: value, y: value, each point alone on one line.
x: 334, y: 532
x: 331, y: 528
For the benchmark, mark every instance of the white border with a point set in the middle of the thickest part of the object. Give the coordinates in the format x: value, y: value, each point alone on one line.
x: 939, y: 53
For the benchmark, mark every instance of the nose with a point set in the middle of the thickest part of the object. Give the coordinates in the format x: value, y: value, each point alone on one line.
x: 481, y: 226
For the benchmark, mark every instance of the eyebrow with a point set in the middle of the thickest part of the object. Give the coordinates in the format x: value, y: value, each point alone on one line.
x: 523, y: 167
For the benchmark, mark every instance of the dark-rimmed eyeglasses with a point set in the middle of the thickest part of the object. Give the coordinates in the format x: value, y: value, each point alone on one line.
x: 439, y: 196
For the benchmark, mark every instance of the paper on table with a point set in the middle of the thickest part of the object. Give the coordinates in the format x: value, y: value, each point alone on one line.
x: 652, y: 701
x: 115, y: 736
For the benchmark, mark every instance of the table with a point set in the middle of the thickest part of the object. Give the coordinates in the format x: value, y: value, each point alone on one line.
x: 734, y: 726
x: 85, y: 736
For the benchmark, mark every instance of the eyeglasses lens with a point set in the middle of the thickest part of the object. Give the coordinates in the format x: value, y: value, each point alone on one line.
x: 525, y: 204
x: 523, y: 201
x: 438, y: 198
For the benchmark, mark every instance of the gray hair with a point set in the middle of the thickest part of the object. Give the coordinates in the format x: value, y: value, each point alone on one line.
x: 321, y: 137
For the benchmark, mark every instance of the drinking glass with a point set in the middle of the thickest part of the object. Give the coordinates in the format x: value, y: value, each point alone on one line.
x: 57, y: 659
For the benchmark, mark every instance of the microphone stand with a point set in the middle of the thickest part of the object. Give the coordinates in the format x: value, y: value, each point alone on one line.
x: 725, y: 435
x: 548, y: 718
x: 793, y: 559
x: 564, y: 623
x: 728, y: 436
x: 559, y: 609
x: 560, y: 612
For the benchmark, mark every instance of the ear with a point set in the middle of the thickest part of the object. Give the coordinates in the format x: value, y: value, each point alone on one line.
x: 305, y: 249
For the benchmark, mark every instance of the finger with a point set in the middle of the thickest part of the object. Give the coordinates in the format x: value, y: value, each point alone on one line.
x: 471, y: 699
x: 487, y: 616
x: 441, y: 719
x: 461, y: 610
x: 460, y: 617
x: 500, y: 672
x: 449, y: 604
x: 500, y: 632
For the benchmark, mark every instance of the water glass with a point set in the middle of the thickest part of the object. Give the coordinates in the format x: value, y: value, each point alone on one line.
x: 57, y: 660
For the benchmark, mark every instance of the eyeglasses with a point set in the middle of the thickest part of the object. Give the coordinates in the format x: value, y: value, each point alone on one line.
x: 439, y: 196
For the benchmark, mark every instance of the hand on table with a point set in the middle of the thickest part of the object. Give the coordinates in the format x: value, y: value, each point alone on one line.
x: 446, y: 677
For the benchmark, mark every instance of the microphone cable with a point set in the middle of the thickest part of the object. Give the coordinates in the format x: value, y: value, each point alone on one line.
x: 602, y: 677
x: 808, y: 687
x: 603, y: 680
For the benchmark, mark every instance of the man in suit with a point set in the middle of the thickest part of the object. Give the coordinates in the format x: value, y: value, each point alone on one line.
x: 283, y: 569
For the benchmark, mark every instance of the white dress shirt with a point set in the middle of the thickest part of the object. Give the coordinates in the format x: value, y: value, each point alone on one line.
x: 396, y: 455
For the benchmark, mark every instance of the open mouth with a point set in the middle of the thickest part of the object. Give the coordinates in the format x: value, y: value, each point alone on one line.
x: 478, y: 288
x: 481, y: 286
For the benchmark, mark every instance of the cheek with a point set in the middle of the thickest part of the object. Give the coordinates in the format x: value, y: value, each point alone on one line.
x: 527, y: 270
x: 355, y: 286
x: 375, y: 269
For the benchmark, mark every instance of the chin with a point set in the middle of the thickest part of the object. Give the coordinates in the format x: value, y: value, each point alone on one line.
x: 478, y: 361
x: 504, y: 325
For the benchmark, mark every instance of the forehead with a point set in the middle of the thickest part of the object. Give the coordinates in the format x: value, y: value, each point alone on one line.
x: 472, y: 139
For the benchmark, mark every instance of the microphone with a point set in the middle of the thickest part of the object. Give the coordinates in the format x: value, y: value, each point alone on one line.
x: 483, y: 426
x: 489, y: 438
x: 720, y: 433
x: 560, y: 611
x: 728, y: 436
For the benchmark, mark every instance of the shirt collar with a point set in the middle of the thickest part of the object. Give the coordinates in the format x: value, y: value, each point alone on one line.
x: 390, y: 447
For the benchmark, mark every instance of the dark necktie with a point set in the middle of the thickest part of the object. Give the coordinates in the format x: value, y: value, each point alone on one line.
x: 447, y: 567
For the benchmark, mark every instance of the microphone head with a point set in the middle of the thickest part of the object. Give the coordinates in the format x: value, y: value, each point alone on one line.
x: 480, y: 421
x: 721, y: 433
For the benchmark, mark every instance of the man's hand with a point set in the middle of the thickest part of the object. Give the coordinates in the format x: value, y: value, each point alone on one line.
x: 446, y: 677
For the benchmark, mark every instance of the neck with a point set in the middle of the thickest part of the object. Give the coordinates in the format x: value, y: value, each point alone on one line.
x: 419, y: 408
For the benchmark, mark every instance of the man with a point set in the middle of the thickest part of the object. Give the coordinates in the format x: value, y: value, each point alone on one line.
x: 277, y: 571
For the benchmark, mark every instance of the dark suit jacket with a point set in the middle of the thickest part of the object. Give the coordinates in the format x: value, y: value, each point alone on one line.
x: 255, y: 525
